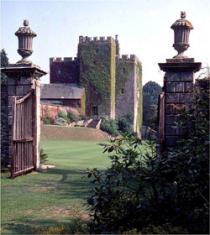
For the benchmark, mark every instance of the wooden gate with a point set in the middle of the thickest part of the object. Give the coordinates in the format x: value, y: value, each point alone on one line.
x: 23, y: 157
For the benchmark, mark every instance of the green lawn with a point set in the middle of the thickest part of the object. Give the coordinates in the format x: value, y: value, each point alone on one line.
x: 53, y: 197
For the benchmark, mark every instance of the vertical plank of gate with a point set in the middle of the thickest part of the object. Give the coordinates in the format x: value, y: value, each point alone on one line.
x: 21, y: 131
x: 29, y: 131
x: 24, y: 145
x: 13, y: 137
x: 21, y: 143
x: 22, y: 135
x: 23, y: 119
x: 25, y: 135
x: 17, y: 137
x: 33, y: 97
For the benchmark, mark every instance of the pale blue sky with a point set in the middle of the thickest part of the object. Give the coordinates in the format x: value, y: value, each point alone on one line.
x: 143, y: 27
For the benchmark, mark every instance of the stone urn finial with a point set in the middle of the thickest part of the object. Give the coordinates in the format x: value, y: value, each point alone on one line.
x: 25, y: 38
x: 181, y: 29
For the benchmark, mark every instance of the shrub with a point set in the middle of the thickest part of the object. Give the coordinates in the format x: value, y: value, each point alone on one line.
x: 125, y: 124
x: 164, y: 229
x: 146, y: 193
x: 116, y: 194
x: 110, y: 126
x: 73, y: 117
x: 63, y: 114
x: 48, y: 120
x: 43, y: 156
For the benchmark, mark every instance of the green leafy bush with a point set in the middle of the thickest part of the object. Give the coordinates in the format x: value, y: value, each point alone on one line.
x: 63, y: 114
x: 72, y: 117
x: 48, y: 120
x: 110, y: 126
x: 125, y: 124
x: 116, y: 194
x: 43, y: 156
x: 146, y: 193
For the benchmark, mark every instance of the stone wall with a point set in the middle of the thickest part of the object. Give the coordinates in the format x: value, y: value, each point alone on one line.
x: 129, y: 90
x: 97, y: 75
x: 64, y: 70
x: 178, y: 93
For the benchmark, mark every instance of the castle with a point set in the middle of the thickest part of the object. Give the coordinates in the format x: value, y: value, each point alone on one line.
x: 99, y: 82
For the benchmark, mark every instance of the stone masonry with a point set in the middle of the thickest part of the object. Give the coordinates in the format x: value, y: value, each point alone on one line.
x: 113, y: 83
x: 178, y: 84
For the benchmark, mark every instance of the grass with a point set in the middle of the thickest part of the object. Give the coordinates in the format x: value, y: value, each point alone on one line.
x: 54, y: 201
x: 53, y: 197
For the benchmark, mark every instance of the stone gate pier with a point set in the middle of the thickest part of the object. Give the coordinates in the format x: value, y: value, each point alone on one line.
x: 177, y: 91
x: 21, y: 109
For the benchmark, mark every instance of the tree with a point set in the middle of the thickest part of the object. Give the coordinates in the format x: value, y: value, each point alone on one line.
x: 3, y: 63
x: 4, y: 59
x: 151, y: 91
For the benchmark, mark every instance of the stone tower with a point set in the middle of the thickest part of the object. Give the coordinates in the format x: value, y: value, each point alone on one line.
x: 129, y: 89
x: 97, y: 67
x: 113, y: 83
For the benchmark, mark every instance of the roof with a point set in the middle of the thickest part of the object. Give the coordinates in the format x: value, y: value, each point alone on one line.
x: 61, y: 91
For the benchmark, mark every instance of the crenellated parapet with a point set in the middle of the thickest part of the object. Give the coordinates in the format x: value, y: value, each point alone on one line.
x: 62, y: 59
x: 86, y: 39
x: 129, y: 58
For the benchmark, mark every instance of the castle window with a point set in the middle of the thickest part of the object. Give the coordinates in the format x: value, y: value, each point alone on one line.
x: 124, y: 70
x: 95, y: 110
x: 122, y: 91
x: 94, y: 62
x: 97, y: 50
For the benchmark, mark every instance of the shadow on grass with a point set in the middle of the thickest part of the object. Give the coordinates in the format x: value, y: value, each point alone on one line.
x: 49, y: 226
x: 67, y: 183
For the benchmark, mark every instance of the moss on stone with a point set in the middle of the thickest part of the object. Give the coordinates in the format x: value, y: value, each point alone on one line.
x: 140, y: 100
x: 97, y: 75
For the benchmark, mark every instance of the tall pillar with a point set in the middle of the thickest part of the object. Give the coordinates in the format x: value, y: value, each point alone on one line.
x: 178, y: 84
x: 22, y: 78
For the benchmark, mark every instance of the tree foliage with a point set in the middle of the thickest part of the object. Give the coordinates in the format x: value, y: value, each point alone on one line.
x: 4, y: 58
x: 3, y: 63
x: 151, y: 91
x: 146, y: 193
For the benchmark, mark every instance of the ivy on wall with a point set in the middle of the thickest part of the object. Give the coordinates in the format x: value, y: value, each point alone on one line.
x: 97, y: 74
x: 140, y: 100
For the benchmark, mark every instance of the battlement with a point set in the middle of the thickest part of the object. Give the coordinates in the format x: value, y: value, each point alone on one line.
x: 86, y: 39
x: 128, y: 58
x: 62, y: 59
